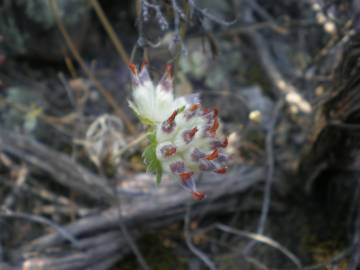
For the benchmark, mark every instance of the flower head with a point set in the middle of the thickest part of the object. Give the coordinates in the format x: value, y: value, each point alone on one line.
x: 153, y: 103
x: 186, y: 137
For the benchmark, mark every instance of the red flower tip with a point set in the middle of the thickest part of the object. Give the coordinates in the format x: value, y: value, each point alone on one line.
x: 133, y: 68
x: 221, y: 170
x: 185, y: 176
x: 194, y: 107
x: 171, y: 119
x: 216, y: 112
x: 198, y: 196
x: 189, y: 134
x: 169, y: 71
x: 225, y: 143
x: 170, y: 151
x: 206, y: 110
x: 193, y: 132
x: 213, y: 155
x: 144, y: 64
x: 214, y: 127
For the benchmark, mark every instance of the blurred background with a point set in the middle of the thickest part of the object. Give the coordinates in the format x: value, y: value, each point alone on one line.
x: 74, y: 192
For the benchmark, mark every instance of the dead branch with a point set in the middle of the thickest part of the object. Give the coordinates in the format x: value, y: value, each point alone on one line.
x: 155, y: 208
x: 285, y: 88
x: 62, y: 169
x: 269, y: 175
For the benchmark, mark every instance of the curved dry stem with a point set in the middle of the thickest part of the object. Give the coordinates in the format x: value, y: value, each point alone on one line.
x: 39, y: 219
x: 110, y: 31
x: 201, y: 255
x: 261, y: 239
x: 103, y: 91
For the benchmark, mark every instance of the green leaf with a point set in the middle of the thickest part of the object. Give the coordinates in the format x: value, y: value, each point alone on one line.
x: 181, y: 109
x: 152, y: 163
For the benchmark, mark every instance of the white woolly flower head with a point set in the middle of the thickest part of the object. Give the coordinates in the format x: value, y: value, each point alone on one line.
x: 153, y: 103
x: 185, y: 137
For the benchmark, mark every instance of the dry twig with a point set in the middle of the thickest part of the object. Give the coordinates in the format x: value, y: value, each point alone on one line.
x: 269, y: 175
x: 63, y: 169
x: 110, y: 31
x: 38, y: 219
x: 104, y: 92
x: 201, y: 255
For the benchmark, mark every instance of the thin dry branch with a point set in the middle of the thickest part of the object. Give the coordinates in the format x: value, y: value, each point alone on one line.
x: 200, y: 254
x: 62, y: 169
x: 269, y: 175
x: 110, y: 31
x: 103, y: 91
x: 292, y: 94
x: 155, y: 208
x: 261, y: 239
x: 41, y: 220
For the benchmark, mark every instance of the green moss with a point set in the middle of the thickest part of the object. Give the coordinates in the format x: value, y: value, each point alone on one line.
x: 323, y: 242
x: 323, y: 251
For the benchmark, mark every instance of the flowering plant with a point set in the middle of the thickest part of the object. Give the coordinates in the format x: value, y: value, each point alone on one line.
x: 185, y: 138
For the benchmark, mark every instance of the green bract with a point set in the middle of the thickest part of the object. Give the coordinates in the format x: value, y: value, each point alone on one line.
x: 153, y: 165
